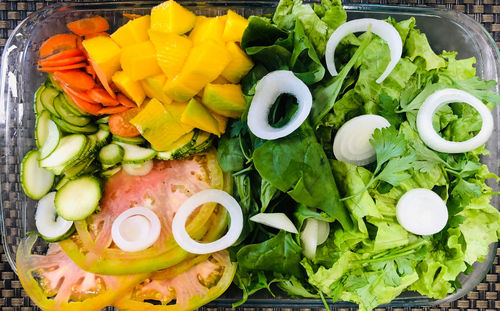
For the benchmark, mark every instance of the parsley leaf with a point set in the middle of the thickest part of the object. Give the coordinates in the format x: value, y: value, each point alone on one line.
x: 394, y: 171
x: 388, y: 107
x: 387, y: 144
x: 465, y: 191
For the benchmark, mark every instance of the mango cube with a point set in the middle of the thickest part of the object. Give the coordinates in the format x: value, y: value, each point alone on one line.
x: 178, y: 91
x: 198, y: 116
x: 239, y: 65
x: 139, y: 60
x: 221, y: 122
x: 130, y: 87
x: 161, y: 125
x: 224, y: 99
x: 171, y: 51
x: 153, y: 87
x: 235, y: 27
x: 105, y: 53
x: 170, y: 16
x: 133, y: 32
x: 208, y: 28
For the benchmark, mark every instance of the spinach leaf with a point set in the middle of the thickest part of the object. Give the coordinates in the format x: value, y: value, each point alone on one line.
x: 229, y: 154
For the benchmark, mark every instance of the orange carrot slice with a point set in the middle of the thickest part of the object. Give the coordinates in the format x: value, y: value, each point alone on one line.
x: 113, y: 110
x: 125, y: 101
x: 119, y: 124
x: 64, y: 54
x: 102, y: 77
x: 75, y: 79
x: 82, y: 104
x: 101, y: 96
x: 90, y: 70
x: 89, y: 25
x: 82, y: 95
x: 61, y: 68
x: 58, y: 43
x: 97, y: 34
x: 61, y: 62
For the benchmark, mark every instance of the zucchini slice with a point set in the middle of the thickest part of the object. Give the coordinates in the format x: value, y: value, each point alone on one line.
x: 180, y: 146
x: 78, y: 198
x: 70, y: 128
x: 38, y: 106
x: 135, y: 154
x: 111, y: 171
x: 35, y: 180
x: 53, y: 138
x: 111, y: 154
x: 47, y: 97
x: 42, y: 128
x: 67, y: 114
x: 136, y: 140
x: 69, y: 149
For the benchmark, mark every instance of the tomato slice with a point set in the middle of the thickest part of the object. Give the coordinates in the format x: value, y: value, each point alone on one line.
x: 54, y: 282
x: 190, y: 290
x: 163, y: 190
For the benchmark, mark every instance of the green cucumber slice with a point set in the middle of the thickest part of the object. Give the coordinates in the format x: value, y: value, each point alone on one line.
x: 111, y: 154
x: 70, y: 128
x: 73, y: 107
x: 203, y: 141
x: 67, y: 114
x: 53, y: 138
x: 111, y: 171
x: 47, y: 97
x: 136, y: 154
x: 79, y: 168
x: 69, y: 149
x: 136, y: 140
x: 38, y: 106
x: 50, y: 226
x: 103, y: 120
x: 36, y: 181
x: 180, y: 146
x: 88, y: 191
x: 42, y: 128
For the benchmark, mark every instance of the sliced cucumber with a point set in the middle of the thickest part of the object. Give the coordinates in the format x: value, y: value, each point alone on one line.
x: 181, y: 145
x: 136, y: 140
x: 103, y: 120
x: 70, y: 128
x: 50, y: 226
x: 67, y: 114
x: 53, y: 83
x: 102, y: 135
x: 111, y: 171
x: 79, y: 168
x: 78, y: 198
x: 138, y: 169
x: 69, y: 150
x: 53, y: 138
x: 42, y: 128
x: 38, y: 106
x: 73, y: 107
x: 35, y: 180
x: 111, y: 154
x: 62, y: 182
x: 203, y: 141
x: 136, y: 154
x: 47, y: 98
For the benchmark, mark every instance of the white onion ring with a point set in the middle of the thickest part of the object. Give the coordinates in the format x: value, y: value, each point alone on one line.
x: 275, y: 220
x: 441, y: 98
x: 211, y: 195
x: 309, y: 237
x: 323, y: 231
x: 266, y: 92
x: 421, y: 211
x: 48, y: 223
x: 352, y: 141
x: 136, y: 218
x: 382, y: 29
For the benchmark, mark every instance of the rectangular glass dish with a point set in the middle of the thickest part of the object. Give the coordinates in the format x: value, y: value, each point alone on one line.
x: 446, y: 30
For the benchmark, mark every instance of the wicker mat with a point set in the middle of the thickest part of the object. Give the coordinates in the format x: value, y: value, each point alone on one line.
x: 484, y: 297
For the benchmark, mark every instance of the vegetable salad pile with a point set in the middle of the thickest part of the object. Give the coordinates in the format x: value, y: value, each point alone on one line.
x: 319, y: 175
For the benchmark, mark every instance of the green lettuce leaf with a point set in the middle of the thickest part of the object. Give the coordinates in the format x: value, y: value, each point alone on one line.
x: 416, y: 45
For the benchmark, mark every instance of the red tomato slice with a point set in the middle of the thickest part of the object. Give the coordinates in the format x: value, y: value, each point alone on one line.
x: 191, y: 289
x: 55, y: 282
x: 163, y: 190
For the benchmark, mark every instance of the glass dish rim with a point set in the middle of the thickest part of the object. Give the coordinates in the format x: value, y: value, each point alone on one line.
x: 355, y: 7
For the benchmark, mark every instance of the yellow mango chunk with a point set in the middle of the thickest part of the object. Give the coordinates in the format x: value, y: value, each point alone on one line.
x: 198, y: 116
x: 178, y: 91
x: 133, y: 32
x: 105, y: 53
x: 208, y: 28
x: 161, y: 125
x: 224, y: 99
x: 239, y: 65
x: 171, y: 51
x: 139, y: 60
x: 235, y: 27
x: 170, y: 16
x: 221, y: 122
x: 128, y: 86
x: 220, y: 80
x: 153, y: 87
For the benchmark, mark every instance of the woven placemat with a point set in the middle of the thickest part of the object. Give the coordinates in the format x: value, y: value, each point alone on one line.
x: 484, y: 297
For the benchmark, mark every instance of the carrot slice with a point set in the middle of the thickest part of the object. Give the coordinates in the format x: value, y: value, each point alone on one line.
x: 97, y: 34
x: 61, y: 62
x: 58, y: 43
x: 76, y: 79
x: 113, y: 110
x: 64, y: 54
x: 80, y: 94
x: 102, y: 77
x: 101, y: 96
x: 62, y: 68
x: 125, y: 101
x: 82, y: 104
x: 119, y: 124
x: 89, y: 25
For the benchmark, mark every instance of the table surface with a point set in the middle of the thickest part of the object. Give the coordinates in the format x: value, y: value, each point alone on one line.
x: 484, y: 297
